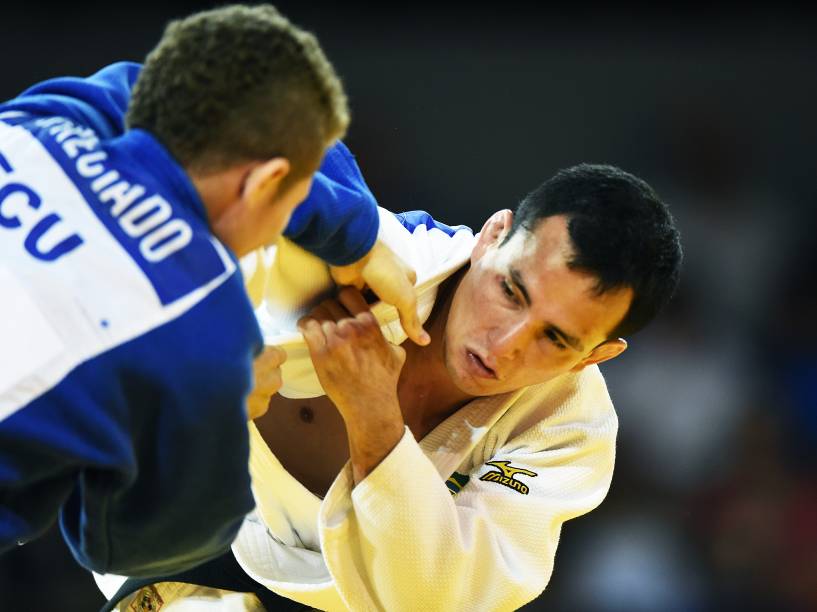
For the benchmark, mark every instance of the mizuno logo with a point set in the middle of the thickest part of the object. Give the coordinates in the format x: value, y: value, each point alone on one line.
x: 505, y: 476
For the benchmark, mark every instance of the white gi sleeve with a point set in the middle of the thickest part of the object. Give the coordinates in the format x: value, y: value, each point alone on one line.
x: 400, y: 541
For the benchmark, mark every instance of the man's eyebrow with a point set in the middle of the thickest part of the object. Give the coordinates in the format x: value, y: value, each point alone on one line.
x: 571, y: 340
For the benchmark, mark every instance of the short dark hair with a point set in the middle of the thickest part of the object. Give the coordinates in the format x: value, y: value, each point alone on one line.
x: 237, y: 84
x: 621, y: 231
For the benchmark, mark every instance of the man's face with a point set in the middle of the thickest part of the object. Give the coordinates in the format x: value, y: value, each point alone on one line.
x: 520, y: 316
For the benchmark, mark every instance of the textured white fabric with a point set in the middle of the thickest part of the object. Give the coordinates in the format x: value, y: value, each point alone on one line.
x: 400, y: 540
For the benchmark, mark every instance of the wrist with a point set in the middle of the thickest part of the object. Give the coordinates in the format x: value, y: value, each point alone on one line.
x: 372, y: 438
x: 368, y: 429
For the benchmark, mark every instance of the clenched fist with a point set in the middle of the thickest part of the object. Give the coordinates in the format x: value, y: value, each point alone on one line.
x: 355, y: 364
x: 267, y: 376
x: 359, y: 371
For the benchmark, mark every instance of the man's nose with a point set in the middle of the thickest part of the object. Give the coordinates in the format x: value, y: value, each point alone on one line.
x: 508, y: 341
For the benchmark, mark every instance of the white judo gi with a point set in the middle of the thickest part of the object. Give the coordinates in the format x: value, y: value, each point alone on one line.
x: 466, y: 519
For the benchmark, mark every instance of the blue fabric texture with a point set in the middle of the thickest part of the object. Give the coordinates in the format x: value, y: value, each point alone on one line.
x: 142, y: 449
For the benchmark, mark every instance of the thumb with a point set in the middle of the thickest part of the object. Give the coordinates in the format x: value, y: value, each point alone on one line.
x: 273, y: 356
x: 411, y: 323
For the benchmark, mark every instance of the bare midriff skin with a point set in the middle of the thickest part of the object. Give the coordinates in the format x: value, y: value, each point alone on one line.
x: 308, y: 437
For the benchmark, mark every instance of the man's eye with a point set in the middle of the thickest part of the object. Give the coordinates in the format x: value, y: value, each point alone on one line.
x: 508, y: 290
x: 554, y: 338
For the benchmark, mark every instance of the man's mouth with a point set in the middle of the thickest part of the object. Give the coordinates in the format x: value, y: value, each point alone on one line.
x: 478, y: 367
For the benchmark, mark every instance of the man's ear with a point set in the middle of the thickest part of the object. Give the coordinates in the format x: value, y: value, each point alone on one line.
x: 603, y: 352
x: 263, y: 181
x: 493, y: 232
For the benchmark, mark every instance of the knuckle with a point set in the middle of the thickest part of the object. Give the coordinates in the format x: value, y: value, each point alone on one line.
x: 365, y: 318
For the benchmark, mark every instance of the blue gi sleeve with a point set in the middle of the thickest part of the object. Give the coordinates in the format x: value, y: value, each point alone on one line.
x: 99, y: 101
x: 338, y: 221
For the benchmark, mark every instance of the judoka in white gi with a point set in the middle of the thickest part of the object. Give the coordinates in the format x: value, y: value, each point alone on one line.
x: 438, y: 478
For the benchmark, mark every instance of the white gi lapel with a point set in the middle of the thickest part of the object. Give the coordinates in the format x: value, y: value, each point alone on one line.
x: 448, y: 444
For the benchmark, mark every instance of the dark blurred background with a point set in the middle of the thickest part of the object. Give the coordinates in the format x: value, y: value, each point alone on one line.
x: 461, y: 110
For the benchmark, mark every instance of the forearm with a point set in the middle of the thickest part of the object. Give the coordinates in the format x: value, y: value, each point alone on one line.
x: 372, y: 435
